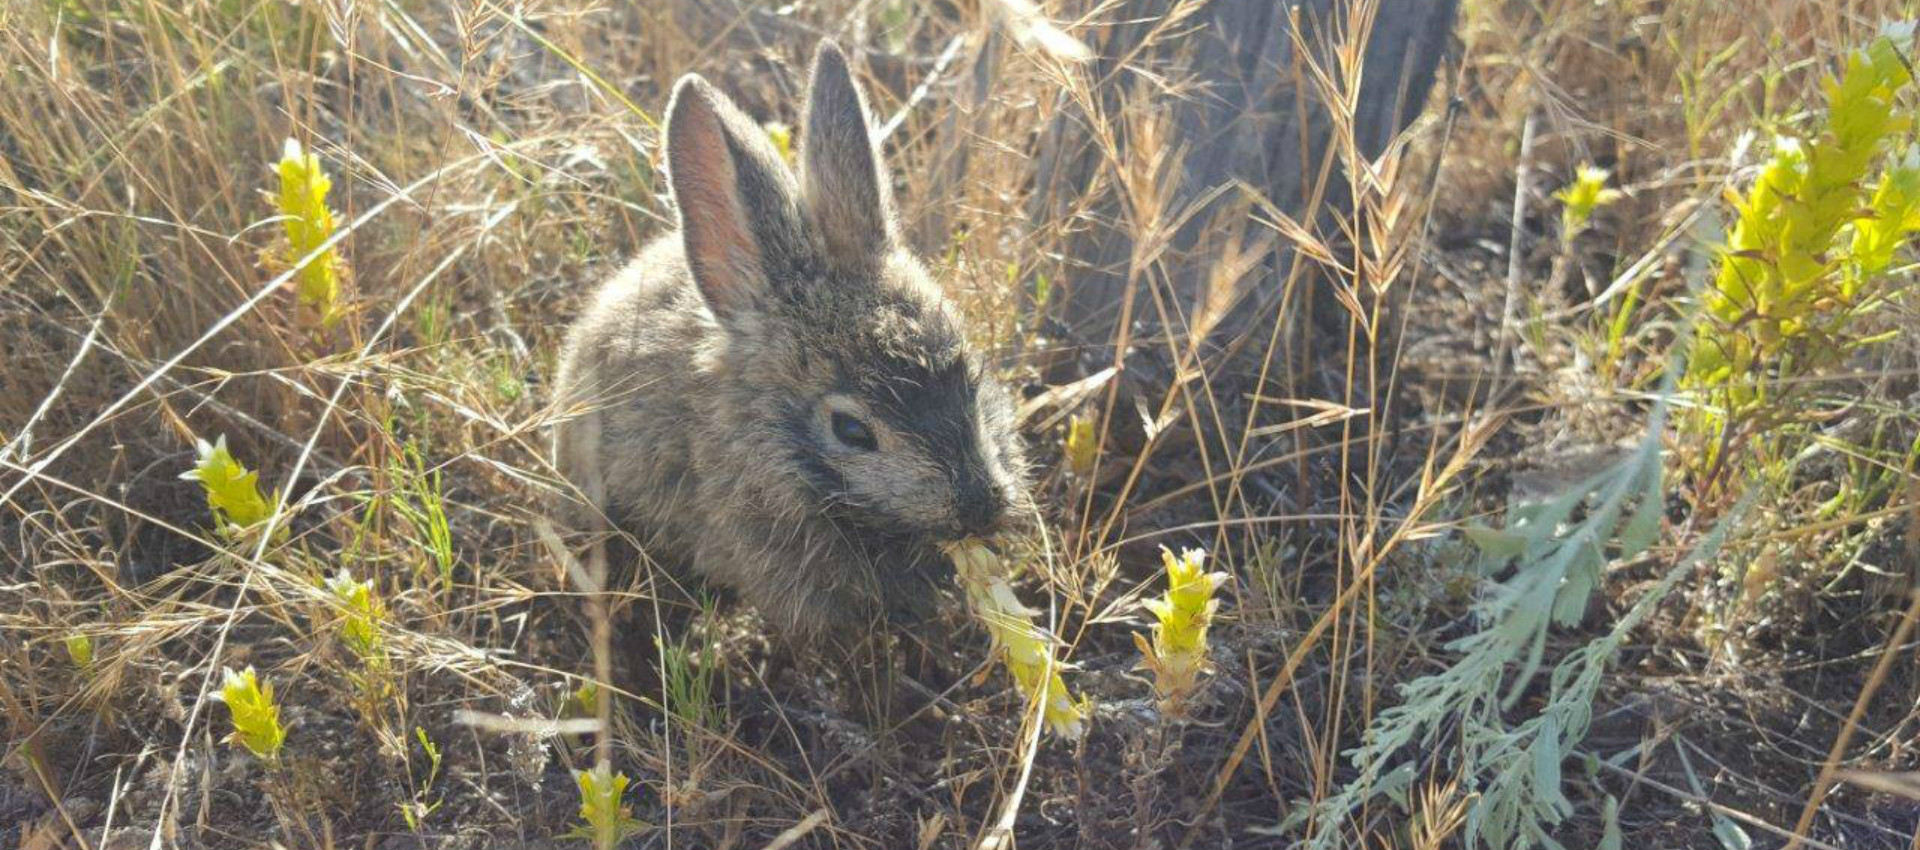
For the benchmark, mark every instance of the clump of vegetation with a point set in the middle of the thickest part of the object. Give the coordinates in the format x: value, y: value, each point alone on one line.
x: 256, y: 718
x: 308, y: 222
x: 1398, y: 679
x: 689, y: 673
x: 1026, y: 648
x: 417, y: 808
x: 1178, y: 653
x: 422, y: 505
x: 1556, y: 550
x: 362, y: 617
x: 1806, y: 255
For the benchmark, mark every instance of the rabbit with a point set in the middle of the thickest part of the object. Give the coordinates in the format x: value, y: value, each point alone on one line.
x: 776, y: 397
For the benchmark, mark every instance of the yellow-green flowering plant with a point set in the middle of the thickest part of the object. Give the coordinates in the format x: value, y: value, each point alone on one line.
x: 1811, y: 241
x: 80, y: 650
x: 1578, y: 200
x: 1178, y: 653
x: 605, y: 820
x: 309, y: 224
x: 1083, y: 445
x: 1025, y: 648
x: 363, y: 613
x: 256, y: 719
x: 233, y: 492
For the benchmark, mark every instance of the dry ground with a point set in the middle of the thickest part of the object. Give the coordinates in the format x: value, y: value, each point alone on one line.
x: 489, y: 164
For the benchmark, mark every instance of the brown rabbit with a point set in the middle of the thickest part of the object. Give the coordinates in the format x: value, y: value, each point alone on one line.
x: 778, y: 397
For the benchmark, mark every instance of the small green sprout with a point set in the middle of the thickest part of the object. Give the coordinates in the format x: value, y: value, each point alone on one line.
x: 1083, y: 445
x: 309, y: 224
x: 80, y: 650
x: 1587, y: 192
x: 432, y: 751
x: 584, y: 701
x: 1026, y: 648
x: 1178, y: 653
x: 687, y: 671
x: 606, y: 822
x: 423, y: 506
x: 256, y: 719
x: 360, y: 627
x: 233, y: 493
x: 416, y: 810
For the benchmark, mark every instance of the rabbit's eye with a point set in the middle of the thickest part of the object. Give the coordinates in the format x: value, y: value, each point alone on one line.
x: 853, y: 432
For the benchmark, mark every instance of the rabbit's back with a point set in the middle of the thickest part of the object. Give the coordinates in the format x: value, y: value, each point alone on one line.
x: 627, y: 382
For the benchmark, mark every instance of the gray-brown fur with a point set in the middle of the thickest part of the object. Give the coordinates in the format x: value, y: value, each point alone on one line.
x: 710, y: 370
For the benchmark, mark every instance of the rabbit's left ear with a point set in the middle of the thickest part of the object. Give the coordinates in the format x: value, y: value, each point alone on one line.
x: 843, y: 180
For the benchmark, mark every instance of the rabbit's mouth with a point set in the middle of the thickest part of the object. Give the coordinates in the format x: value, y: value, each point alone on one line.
x: 912, y: 593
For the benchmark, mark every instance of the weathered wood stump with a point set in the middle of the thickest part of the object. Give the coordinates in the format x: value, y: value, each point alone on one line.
x: 1224, y: 98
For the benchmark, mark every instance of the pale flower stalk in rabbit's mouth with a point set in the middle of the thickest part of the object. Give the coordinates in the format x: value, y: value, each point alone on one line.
x: 1027, y: 649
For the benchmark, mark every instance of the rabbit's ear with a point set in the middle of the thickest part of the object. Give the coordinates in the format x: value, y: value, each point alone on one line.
x: 737, y: 201
x: 843, y: 177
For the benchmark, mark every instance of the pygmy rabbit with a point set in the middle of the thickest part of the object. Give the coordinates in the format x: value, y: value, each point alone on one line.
x: 776, y: 397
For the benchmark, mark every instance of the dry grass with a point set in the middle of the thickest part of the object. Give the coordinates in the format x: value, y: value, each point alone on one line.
x: 1436, y: 347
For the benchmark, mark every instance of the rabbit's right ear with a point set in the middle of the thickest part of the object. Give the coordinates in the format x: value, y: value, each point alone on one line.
x: 844, y: 176
x: 738, y: 203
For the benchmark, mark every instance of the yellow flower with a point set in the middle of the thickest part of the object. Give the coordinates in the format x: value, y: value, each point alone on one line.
x: 1083, y: 445
x: 309, y: 224
x: 360, y: 628
x: 233, y: 493
x: 256, y: 720
x: 1178, y: 653
x: 1579, y: 199
x: 605, y: 820
x: 80, y: 650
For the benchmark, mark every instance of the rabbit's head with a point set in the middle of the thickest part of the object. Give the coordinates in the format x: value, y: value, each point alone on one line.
x: 844, y: 367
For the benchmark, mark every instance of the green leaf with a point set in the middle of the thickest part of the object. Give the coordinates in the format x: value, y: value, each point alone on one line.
x: 1610, y: 837
x: 1546, y: 767
x: 1497, y: 547
x: 1731, y: 836
x: 1643, y: 525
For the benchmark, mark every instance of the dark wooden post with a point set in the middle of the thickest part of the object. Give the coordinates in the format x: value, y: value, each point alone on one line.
x: 1221, y: 96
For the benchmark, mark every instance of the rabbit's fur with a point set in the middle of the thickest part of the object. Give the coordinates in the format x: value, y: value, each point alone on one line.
x: 704, y: 380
